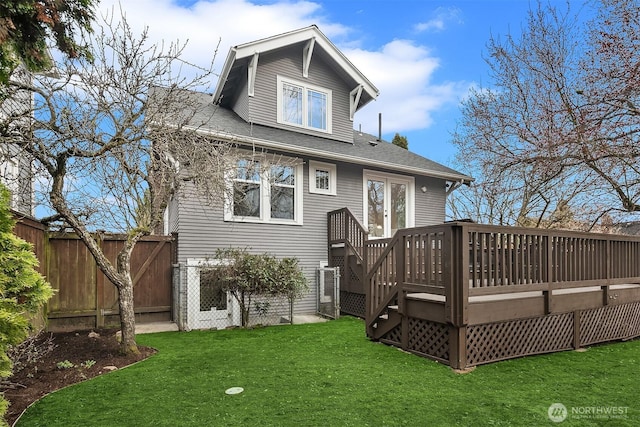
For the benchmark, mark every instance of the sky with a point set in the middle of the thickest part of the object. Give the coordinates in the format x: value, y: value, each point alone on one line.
x: 422, y: 55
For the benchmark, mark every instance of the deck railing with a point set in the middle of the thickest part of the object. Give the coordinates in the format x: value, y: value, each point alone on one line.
x: 344, y: 229
x: 463, y: 260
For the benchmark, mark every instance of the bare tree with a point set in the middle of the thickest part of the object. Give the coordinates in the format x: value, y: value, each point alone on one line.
x: 109, y: 138
x: 559, y: 127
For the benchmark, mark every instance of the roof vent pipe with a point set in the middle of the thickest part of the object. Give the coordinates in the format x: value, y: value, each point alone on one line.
x: 379, y: 126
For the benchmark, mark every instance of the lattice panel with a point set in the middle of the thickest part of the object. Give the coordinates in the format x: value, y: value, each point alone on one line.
x: 429, y: 338
x: 353, y: 277
x: 394, y: 336
x: 337, y: 261
x: 504, y: 340
x: 609, y: 323
x: 353, y: 304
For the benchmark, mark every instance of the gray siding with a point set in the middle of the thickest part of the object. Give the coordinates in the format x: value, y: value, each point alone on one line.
x: 202, y: 229
x: 288, y: 63
x: 241, y: 102
x: 430, y: 206
x: 173, y: 220
x: 12, y: 156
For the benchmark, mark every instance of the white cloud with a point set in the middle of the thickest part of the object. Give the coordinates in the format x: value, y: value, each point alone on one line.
x: 439, y: 19
x: 403, y: 73
x: 232, y: 22
x: 402, y: 70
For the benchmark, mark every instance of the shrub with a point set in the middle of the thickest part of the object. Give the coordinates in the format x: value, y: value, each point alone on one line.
x: 23, y: 290
x: 244, y: 275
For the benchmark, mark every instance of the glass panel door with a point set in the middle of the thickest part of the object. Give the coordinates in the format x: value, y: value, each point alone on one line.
x: 389, y: 204
x: 398, y: 207
x: 376, y: 208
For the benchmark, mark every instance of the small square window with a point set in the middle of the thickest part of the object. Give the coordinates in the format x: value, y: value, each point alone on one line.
x: 322, y: 178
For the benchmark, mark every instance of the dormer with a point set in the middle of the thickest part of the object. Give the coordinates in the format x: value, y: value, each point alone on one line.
x: 298, y: 81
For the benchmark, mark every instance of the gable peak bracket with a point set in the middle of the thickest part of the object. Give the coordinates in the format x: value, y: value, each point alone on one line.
x: 354, y: 100
x: 307, y: 53
x: 251, y: 77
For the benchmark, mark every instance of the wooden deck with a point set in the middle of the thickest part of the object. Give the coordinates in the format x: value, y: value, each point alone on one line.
x: 466, y: 294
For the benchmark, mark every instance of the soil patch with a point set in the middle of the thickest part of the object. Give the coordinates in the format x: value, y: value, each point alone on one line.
x: 76, y: 357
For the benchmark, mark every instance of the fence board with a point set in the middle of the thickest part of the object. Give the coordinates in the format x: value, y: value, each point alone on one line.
x: 84, y: 297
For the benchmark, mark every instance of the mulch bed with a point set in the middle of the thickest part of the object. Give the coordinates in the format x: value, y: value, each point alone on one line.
x: 76, y: 357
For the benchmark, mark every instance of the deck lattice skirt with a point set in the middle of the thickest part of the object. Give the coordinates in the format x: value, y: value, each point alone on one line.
x: 504, y: 340
x: 609, y: 323
x: 429, y: 338
x: 352, y: 303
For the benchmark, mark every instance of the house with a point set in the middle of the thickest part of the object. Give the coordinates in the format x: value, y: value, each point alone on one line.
x: 293, y: 97
x: 15, y: 165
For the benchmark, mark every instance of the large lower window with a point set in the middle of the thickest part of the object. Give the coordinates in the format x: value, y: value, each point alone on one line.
x: 304, y: 105
x: 263, y: 192
x: 246, y: 189
x: 283, y: 188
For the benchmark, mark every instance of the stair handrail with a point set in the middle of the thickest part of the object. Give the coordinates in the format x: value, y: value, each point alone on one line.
x: 391, y: 291
x: 350, y: 220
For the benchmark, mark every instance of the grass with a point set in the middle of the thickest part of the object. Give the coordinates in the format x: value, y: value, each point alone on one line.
x: 329, y: 374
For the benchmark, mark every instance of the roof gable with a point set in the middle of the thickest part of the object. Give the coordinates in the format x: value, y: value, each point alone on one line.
x: 310, y: 39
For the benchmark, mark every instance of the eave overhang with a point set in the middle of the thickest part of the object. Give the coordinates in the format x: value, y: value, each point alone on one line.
x: 458, y: 179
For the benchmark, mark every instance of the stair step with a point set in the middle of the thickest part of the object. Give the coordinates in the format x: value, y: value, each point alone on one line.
x: 384, y: 316
x: 393, y: 307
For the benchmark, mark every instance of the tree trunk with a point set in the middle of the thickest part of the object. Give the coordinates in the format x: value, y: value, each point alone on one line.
x: 125, y: 297
x: 127, y: 319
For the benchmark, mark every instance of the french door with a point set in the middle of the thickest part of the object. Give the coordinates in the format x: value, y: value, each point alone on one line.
x: 388, y: 203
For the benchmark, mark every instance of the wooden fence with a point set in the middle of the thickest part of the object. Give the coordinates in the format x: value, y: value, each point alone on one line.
x: 84, y: 298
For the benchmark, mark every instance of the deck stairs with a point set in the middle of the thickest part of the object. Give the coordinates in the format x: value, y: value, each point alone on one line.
x: 386, y: 322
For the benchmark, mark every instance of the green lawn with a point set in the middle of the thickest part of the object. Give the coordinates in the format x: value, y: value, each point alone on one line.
x: 330, y: 374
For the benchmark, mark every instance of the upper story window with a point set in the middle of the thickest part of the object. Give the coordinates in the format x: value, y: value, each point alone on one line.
x: 322, y: 178
x: 304, y: 105
x: 265, y: 193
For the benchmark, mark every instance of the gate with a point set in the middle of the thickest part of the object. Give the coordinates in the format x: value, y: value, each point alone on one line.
x: 202, y: 303
x: 328, y: 291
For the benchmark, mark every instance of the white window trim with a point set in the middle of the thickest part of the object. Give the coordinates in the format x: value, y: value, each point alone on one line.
x: 331, y: 168
x: 280, y: 81
x: 265, y: 201
x: 409, y: 181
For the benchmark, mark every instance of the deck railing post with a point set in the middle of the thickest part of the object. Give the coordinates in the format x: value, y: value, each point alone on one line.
x: 548, y: 294
x: 456, y: 270
x: 446, y: 268
x: 458, y: 347
x: 608, y: 267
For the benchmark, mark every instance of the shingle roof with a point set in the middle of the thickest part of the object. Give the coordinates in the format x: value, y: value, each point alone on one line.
x: 222, y: 123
